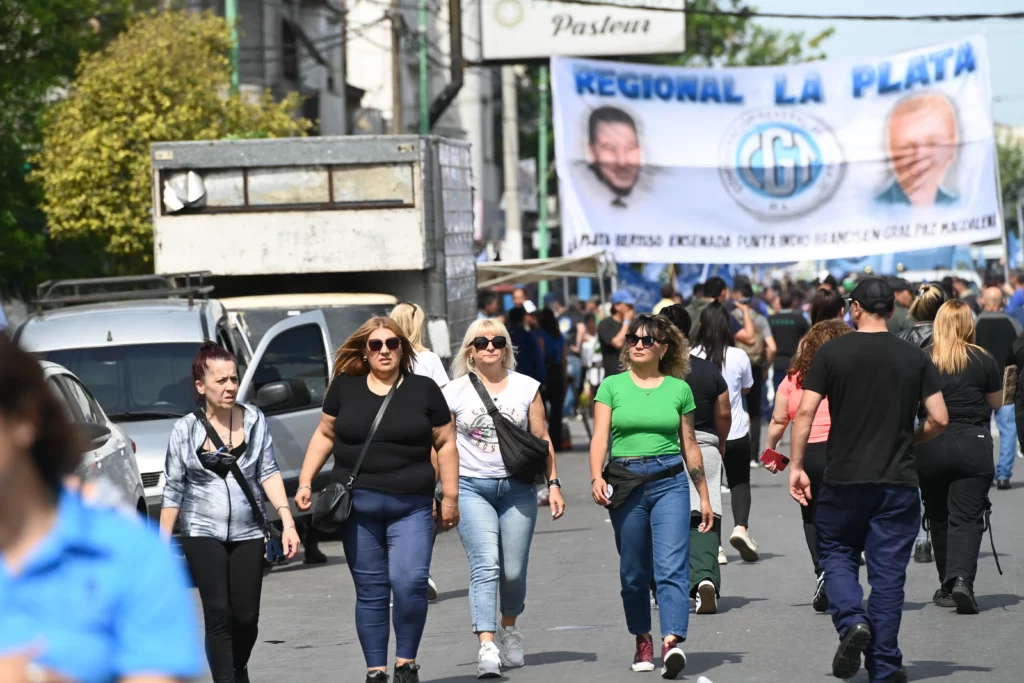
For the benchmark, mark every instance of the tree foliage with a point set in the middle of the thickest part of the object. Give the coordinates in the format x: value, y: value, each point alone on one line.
x: 40, y: 43
x: 1010, y: 149
x: 165, y: 78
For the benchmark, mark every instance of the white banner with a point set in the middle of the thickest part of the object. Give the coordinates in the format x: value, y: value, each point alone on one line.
x: 531, y: 29
x: 777, y: 164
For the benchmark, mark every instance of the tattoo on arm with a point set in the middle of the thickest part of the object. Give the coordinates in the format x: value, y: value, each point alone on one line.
x: 697, y: 475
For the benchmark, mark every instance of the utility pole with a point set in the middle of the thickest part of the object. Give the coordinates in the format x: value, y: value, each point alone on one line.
x: 397, y: 121
x: 231, y: 16
x: 542, y: 177
x: 512, y: 247
x: 424, y: 93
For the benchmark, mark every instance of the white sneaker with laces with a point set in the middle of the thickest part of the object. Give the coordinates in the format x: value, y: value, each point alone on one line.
x: 722, y: 559
x: 707, y: 598
x: 488, y: 661
x: 511, y: 647
x: 745, y: 544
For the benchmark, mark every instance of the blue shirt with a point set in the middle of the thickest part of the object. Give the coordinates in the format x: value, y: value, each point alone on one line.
x: 528, y: 357
x: 103, y: 598
x: 1016, y: 301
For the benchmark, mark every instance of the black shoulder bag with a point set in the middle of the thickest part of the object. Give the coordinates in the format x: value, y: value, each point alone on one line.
x: 222, y: 462
x: 334, y: 504
x: 525, y: 456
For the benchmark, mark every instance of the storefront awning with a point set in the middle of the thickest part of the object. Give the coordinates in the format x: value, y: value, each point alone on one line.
x: 493, y: 273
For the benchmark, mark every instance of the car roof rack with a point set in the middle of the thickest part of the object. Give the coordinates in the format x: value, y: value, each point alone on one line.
x: 58, y: 293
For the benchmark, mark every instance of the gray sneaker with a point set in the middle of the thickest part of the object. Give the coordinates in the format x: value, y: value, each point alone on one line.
x: 488, y: 662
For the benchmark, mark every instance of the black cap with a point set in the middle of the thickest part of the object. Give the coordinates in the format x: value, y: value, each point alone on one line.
x: 874, y: 295
x: 898, y: 284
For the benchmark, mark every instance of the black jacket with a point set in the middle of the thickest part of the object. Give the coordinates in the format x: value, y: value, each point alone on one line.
x: 919, y: 335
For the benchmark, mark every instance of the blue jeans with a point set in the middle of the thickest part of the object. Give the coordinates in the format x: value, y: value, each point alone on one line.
x: 1007, y: 424
x: 882, y: 522
x: 388, y: 542
x: 497, y: 521
x: 652, y: 523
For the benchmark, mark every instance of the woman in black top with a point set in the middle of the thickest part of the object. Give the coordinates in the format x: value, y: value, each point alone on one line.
x: 389, y: 536
x: 711, y: 423
x: 955, y: 468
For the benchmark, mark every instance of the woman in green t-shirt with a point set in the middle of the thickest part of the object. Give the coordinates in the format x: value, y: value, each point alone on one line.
x: 644, y: 411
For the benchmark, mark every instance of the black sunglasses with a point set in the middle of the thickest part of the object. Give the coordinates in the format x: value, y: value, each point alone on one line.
x: 376, y: 345
x: 480, y: 343
x: 647, y: 340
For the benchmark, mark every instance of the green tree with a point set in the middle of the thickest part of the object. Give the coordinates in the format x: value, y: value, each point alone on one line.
x: 1010, y: 150
x: 40, y: 43
x: 164, y: 78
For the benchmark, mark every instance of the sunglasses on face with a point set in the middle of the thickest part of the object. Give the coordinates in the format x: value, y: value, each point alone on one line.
x: 480, y: 343
x: 647, y: 340
x: 376, y: 345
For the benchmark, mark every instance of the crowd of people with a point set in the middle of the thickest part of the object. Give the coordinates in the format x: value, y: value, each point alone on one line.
x: 890, y: 394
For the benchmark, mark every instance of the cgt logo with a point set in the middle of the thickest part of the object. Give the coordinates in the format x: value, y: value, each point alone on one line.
x: 780, y: 164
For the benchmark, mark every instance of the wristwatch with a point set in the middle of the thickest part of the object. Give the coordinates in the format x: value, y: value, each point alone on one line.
x: 555, y: 482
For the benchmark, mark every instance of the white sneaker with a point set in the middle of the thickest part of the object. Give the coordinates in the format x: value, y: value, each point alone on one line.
x: 511, y: 647
x: 707, y: 599
x: 745, y: 544
x: 722, y: 559
x: 725, y: 489
x: 431, y: 589
x: 488, y: 661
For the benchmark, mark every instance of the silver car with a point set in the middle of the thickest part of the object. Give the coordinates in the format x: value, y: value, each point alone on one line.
x: 109, y: 459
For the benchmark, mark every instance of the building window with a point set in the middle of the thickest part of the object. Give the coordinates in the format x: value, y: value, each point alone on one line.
x: 289, y: 52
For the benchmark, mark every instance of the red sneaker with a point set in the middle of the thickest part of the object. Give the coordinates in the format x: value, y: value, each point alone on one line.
x: 644, y: 658
x: 673, y: 660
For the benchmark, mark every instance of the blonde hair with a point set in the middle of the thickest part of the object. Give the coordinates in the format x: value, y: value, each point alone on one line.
x: 676, y: 361
x: 461, y: 365
x: 410, y: 318
x: 926, y: 306
x: 952, y: 335
x: 350, y: 358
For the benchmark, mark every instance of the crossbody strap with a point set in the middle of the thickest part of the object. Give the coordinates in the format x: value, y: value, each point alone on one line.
x: 492, y: 409
x: 236, y: 472
x: 370, y: 435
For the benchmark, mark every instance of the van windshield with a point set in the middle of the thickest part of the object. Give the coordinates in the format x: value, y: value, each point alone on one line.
x: 135, y: 382
x: 342, y: 321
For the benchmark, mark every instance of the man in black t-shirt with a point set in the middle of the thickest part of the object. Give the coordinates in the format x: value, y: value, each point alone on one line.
x: 611, y: 332
x: 788, y: 328
x: 869, y: 501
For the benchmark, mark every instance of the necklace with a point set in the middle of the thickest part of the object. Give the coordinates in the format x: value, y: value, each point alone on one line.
x: 231, y: 429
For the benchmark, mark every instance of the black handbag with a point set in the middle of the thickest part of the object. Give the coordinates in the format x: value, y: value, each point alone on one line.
x: 222, y: 463
x: 525, y: 456
x: 334, y: 505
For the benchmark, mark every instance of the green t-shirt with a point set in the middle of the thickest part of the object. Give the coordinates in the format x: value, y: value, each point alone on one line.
x: 645, y: 421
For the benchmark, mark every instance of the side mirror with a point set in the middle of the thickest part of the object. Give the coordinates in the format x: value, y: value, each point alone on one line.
x: 275, y: 396
x: 96, y: 435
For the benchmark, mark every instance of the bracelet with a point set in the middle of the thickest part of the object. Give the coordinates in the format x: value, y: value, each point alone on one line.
x: 282, y: 506
x: 449, y: 506
x: 304, y: 487
x: 286, y: 528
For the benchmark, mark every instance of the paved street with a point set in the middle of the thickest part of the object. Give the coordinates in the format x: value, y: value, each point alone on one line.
x: 575, y: 629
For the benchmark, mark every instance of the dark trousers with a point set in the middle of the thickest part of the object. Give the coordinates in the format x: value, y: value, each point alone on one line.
x: 229, y: 576
x: 704, y: 555
x: 814, y: 465
x: 881, y: 521
x: 956, y: 472
x: 754, y: 398
x: 554, y: 396
x: 737, y: 478
x: 388, y: 542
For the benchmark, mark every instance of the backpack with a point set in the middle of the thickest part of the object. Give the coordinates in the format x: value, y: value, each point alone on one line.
x: 755, y: 351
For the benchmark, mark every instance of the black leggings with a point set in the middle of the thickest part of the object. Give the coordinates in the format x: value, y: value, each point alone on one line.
x: 737, y: 477
x: 956, y: 470
x: 754, y: 398
x: 229, y: 576
x: 554, y: 394
x: 814, y: 465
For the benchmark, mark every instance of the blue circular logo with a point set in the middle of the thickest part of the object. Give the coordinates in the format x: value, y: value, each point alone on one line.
x: 778, y: 163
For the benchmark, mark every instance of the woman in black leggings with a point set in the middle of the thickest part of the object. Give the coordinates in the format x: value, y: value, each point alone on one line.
x: 222, y: 532
x: 788, y: 401
x: 956, y: 468
x: 714, y: 342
